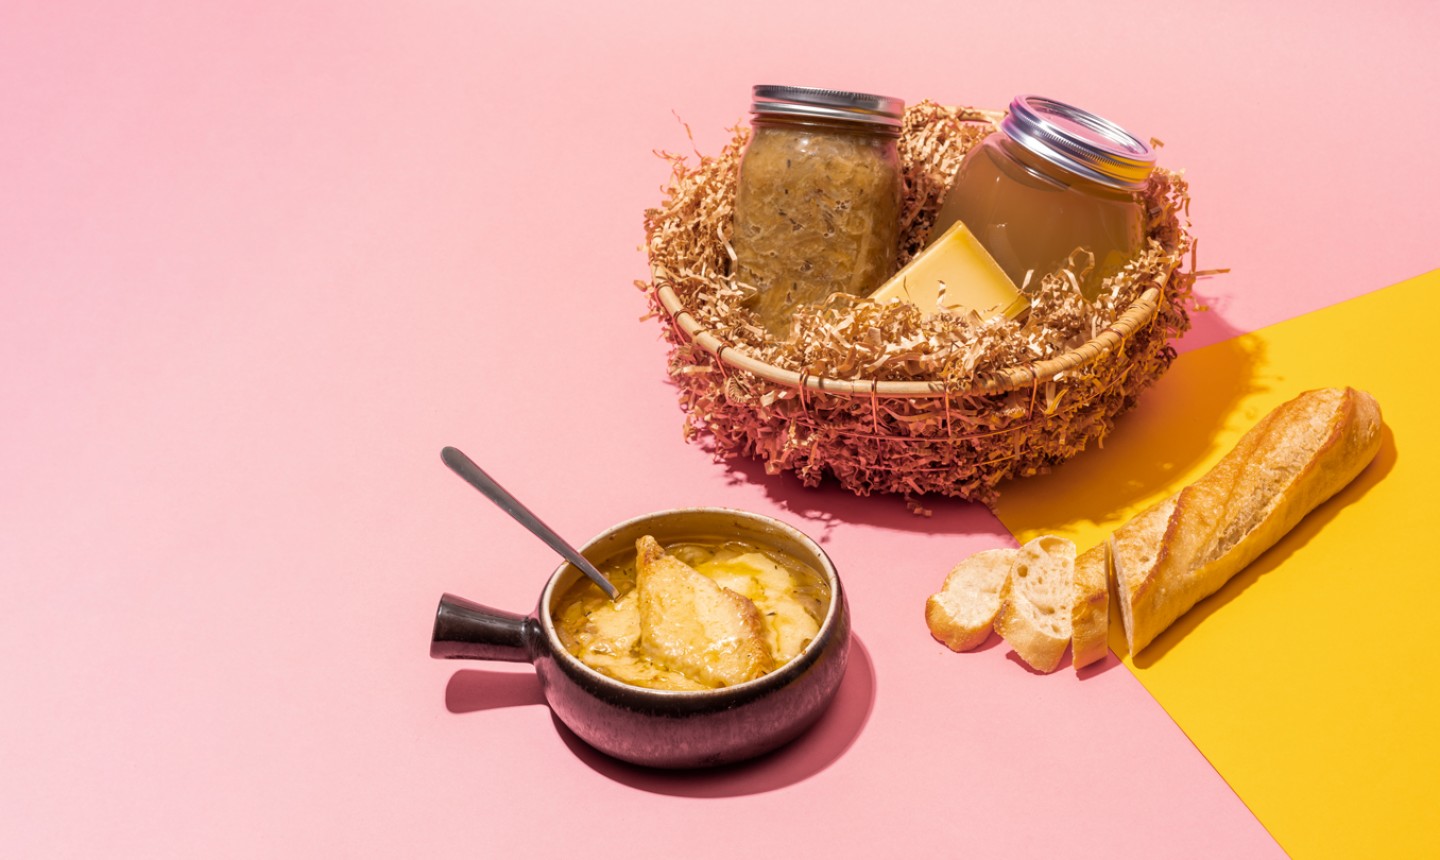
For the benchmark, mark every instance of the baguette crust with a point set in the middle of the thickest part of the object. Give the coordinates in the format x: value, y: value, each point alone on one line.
x: 1185, y: 548
x: 1090, y: 612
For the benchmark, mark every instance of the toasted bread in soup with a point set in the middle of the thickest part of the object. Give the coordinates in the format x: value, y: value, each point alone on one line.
x: 691, y: 625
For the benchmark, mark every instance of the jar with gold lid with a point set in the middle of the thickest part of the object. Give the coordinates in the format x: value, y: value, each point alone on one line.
x: 1054, y: 180
x: 817, y: 208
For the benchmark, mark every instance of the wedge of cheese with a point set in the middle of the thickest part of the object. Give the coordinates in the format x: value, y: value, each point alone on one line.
x: 956, y: 273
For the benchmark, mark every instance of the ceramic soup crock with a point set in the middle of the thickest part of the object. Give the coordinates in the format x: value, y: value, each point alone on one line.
x: 663, y: 728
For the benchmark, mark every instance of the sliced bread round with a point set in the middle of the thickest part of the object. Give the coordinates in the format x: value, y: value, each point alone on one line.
x: 1035, y: 602
x: 962, y: 613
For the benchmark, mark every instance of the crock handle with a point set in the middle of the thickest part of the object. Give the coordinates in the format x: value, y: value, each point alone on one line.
x: 468, y: 631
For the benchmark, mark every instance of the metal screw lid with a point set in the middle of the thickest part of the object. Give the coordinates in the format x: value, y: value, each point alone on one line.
x: 774, y: 100
x: 1079, y: 141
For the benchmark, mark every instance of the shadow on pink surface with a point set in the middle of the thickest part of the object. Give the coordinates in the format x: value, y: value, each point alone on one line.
x: 1099, y: 667
x: 818, y: 748
x: 829, y: 506
x: 1209, y: 325
x: 486, y: 689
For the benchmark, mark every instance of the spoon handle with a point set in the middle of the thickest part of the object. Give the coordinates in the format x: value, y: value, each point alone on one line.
x: 466, y: 468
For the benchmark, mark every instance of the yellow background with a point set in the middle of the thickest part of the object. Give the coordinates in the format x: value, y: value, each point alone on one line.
x: 1310, y: 681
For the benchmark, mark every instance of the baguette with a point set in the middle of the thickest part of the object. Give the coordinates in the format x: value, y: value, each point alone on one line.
x: 1090, y: 611
x: 1035, y: 601
x: 962, y: 613
x: 1183, y: 549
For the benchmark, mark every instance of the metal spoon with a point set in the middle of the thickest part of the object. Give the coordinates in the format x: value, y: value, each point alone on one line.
x: 466, y: 468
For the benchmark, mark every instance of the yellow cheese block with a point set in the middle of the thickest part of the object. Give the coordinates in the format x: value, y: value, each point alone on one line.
x: 955, y: 273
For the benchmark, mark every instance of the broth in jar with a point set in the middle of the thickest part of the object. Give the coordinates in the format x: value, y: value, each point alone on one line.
x: 1052, y: 182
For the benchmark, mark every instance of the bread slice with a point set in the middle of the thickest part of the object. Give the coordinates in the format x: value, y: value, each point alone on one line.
x: 962, y: 613
x: 1090, y: 611
x: 1185, y: 548
x: 1035, y: 602
x: 691, y: 625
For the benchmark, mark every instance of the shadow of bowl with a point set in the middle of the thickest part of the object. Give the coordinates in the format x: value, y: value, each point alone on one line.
x: 807, y: 755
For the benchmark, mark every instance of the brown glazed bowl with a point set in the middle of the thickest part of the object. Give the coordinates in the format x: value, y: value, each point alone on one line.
x: 663, y: 728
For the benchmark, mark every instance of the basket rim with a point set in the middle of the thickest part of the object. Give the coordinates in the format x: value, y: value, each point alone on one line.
x: 1140, y: 313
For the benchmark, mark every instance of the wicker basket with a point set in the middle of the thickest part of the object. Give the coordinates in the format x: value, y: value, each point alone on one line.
x: 919, y: 436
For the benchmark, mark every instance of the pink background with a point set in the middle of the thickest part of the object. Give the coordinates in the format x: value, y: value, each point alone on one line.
x: 259, y: 262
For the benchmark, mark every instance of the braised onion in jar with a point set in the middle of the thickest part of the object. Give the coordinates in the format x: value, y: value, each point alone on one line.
x: 817, y: 207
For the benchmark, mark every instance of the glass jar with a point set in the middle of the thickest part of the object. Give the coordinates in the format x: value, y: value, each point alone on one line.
x: 817, y: 207
x: 1052, y: 180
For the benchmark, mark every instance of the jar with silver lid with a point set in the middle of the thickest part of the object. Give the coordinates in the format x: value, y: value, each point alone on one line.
x: 1054, y: 180
x: 817, y: 208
